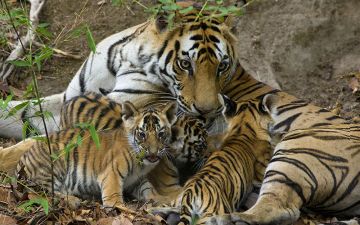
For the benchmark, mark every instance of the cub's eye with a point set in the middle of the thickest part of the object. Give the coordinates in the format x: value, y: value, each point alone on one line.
x: 162, y: 135
x: 141, y: 135
x: 223, y: 66
x: 184, y: 64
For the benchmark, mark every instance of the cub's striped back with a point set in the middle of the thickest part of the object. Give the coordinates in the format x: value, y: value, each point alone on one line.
x: 91, y: 108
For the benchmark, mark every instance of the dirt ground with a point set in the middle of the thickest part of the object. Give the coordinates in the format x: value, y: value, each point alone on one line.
x: 105, y: 19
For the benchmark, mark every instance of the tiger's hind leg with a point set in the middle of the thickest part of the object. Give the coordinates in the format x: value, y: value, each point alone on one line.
x: 10, y: 156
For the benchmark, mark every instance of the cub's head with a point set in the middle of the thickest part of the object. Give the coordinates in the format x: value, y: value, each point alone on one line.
x: 196, y: 60
x: 189, y: 139
x: 150, y: 130
x: 244, y: 116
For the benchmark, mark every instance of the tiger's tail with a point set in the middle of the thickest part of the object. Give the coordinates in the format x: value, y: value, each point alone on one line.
x: 9, y: 157
x: 12, y: 126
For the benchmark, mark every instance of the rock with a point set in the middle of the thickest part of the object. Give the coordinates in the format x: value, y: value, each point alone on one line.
x: 301, y: 46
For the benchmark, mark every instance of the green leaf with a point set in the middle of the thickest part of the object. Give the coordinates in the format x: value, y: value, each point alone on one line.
x: 186, y: 10
x: 42, y: 31
x: 79, y: 140
x: 90, y: 40
x: 171, y: 7
x: 25, y: 128
x: 68, y: 148
x: 117, y: 2
x: 77, y: 32
x: 48, y: 114
x: 20, y: 63
x: 4, y: 103
x: 28, y: 205
x: 94, y: 136
x: 16, y: 109
x: 39, y: 138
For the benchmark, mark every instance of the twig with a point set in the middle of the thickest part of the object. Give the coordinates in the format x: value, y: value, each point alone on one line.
x: 60, y: 53
x: 6, y: 68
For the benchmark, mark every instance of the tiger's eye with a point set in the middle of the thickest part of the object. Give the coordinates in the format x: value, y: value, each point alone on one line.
x: 223, y: 66
x: 185, y: 64
x: 162, y: 135
x: 141, y: 135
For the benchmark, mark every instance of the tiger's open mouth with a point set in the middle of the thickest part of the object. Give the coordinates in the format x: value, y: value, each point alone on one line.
x: 152, y: 158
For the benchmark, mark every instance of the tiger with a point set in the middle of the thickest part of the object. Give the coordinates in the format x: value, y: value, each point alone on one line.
x: 163, y: 64
x: 287, y: 173
x: 124, y: 158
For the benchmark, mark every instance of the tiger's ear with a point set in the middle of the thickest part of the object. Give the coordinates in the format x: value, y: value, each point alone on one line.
x: 170, y: 111
x: 161, y: 22
x: 268, y: 103
x: 228, y: 105
x: 128, y: 111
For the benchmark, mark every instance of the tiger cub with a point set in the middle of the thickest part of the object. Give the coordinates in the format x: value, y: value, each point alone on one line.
x: 124, y: 157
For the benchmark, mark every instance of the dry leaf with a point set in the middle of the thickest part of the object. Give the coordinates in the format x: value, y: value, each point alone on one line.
x: 7, y: 220
x: 354, y: 84
x: 102, y: 2
x: 121, y: 220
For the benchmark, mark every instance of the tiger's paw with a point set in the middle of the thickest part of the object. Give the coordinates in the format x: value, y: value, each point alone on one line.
x: 170, y: 214
x: 220, y: 220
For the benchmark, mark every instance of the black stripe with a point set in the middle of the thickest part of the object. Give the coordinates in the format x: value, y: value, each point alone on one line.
x: 162, y: 49
x: 290, y: 107
x: 197, y: 37
x: 82, y: 77
x: 132, y: 72
x: 287, y: 122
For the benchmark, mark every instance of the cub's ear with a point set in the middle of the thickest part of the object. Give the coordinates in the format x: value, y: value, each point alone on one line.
x: 268, y: 102
x: 161, y: 22
x: 128, y: 110
x: 228, y: 105
x: 170, y: 111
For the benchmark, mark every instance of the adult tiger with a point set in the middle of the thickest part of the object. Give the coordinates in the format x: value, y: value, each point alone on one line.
x: 191, y: 62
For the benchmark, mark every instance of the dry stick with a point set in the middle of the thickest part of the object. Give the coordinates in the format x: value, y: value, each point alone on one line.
x: 56, y: 50
x: 6, y: 68
x: 36, y: 6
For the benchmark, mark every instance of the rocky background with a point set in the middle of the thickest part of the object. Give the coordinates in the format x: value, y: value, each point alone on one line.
x: 308, y: 48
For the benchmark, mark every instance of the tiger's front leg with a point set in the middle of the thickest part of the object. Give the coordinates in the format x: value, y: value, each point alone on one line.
x: 165, y: 180
x: 112, y: 187
x: 145, y: 191
x: 279, y: 207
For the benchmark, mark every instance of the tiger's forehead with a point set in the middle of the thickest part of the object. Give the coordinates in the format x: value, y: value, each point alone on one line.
x: 151, y: 120
x: 203, y: 37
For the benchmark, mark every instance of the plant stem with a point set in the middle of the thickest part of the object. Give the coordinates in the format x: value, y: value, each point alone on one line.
x: 33, y: 76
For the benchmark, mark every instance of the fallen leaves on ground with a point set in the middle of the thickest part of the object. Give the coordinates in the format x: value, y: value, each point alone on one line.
x: 13, y: 195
